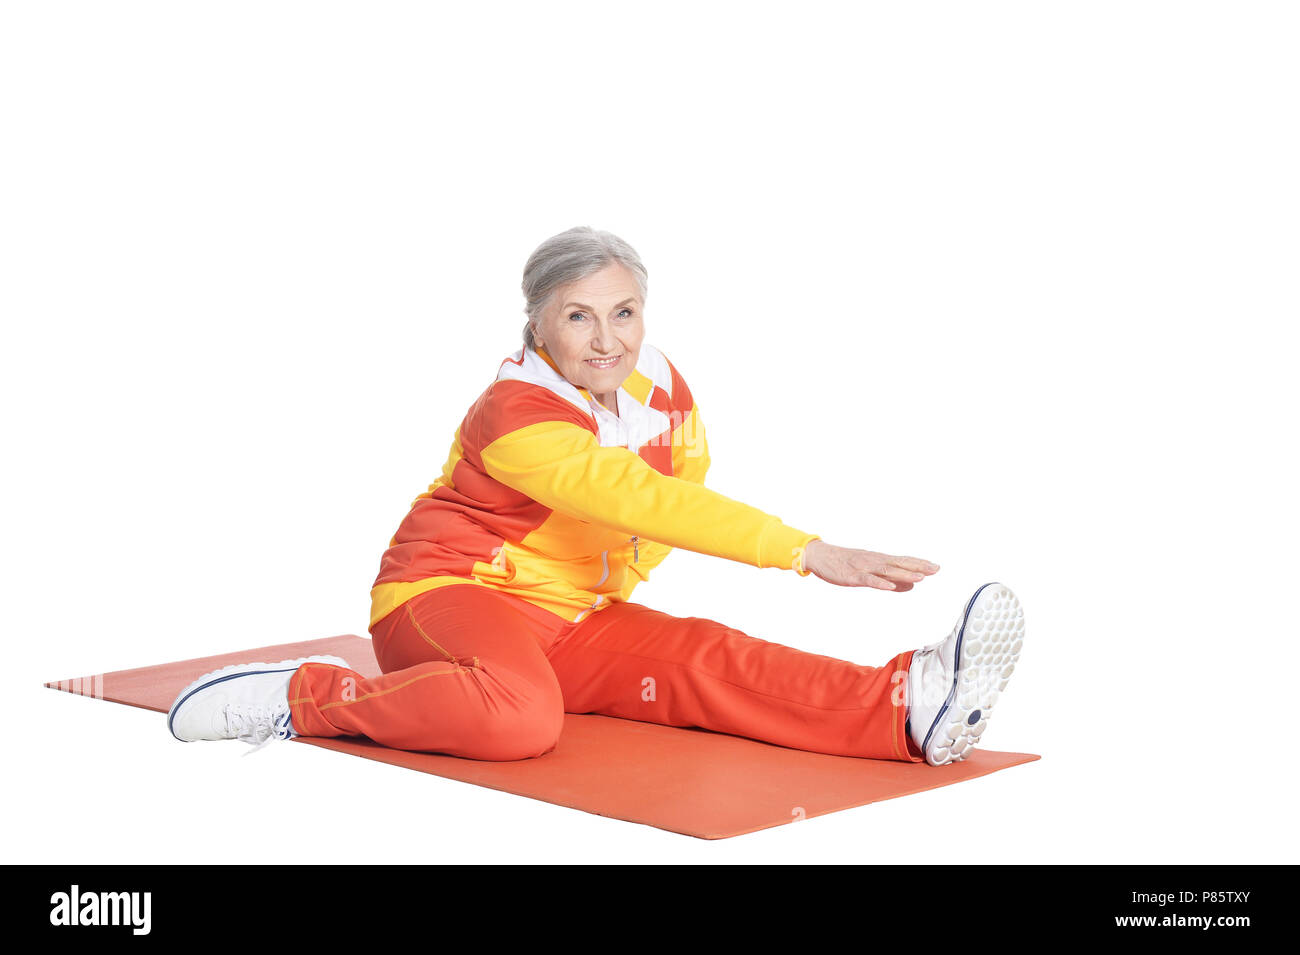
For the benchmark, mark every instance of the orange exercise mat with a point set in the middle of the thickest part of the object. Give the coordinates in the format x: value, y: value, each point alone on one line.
x: 691, y: 781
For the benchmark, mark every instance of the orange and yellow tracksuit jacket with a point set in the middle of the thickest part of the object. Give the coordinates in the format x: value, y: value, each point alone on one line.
x: 550, y: 496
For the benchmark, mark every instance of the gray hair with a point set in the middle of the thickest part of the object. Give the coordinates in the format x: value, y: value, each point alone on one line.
x: 568, y: 257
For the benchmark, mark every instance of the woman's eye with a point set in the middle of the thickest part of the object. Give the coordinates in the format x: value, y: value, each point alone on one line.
x: 623, y: 313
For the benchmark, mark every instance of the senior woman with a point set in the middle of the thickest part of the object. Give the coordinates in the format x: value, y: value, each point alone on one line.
x: 502, y: 601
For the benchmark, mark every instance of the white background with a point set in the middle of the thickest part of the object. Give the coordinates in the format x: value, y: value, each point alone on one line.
x: 1008, y: 286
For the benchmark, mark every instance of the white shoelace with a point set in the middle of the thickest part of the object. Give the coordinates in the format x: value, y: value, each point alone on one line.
x: 255, y: 725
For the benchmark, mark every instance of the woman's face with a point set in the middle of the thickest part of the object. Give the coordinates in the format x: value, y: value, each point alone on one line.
x: 593, y: 329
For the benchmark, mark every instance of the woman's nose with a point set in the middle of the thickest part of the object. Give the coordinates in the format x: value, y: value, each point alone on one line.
x: 603, y: 338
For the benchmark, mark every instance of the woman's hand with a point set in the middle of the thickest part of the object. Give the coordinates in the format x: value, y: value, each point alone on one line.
x: 848, y: 567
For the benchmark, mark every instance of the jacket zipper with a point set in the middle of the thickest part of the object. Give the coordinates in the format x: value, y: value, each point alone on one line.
x: 635, y: 555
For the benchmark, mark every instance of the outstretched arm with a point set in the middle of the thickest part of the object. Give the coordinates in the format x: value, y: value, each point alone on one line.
x: 561, y: 465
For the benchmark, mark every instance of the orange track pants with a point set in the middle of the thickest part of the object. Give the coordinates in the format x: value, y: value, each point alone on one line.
x: 471, y: 671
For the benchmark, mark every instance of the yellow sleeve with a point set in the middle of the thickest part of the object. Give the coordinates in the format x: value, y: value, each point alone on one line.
x: 561, y: 465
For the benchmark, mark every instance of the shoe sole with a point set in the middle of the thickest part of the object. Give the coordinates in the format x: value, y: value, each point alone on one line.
x: 988, y: 646
x: 239, y: 669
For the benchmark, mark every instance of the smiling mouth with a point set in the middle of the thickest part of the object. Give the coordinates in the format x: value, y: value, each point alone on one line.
x: 604, y: 362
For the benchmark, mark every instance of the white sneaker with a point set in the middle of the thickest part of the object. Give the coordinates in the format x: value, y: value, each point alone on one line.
x: 953, y: 685
x: 248, y: 701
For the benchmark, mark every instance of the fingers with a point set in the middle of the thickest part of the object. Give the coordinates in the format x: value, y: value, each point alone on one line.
x: 915, y: 564
x: 901, y: 573
x: 898, y: 574
x: 880, y: 583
